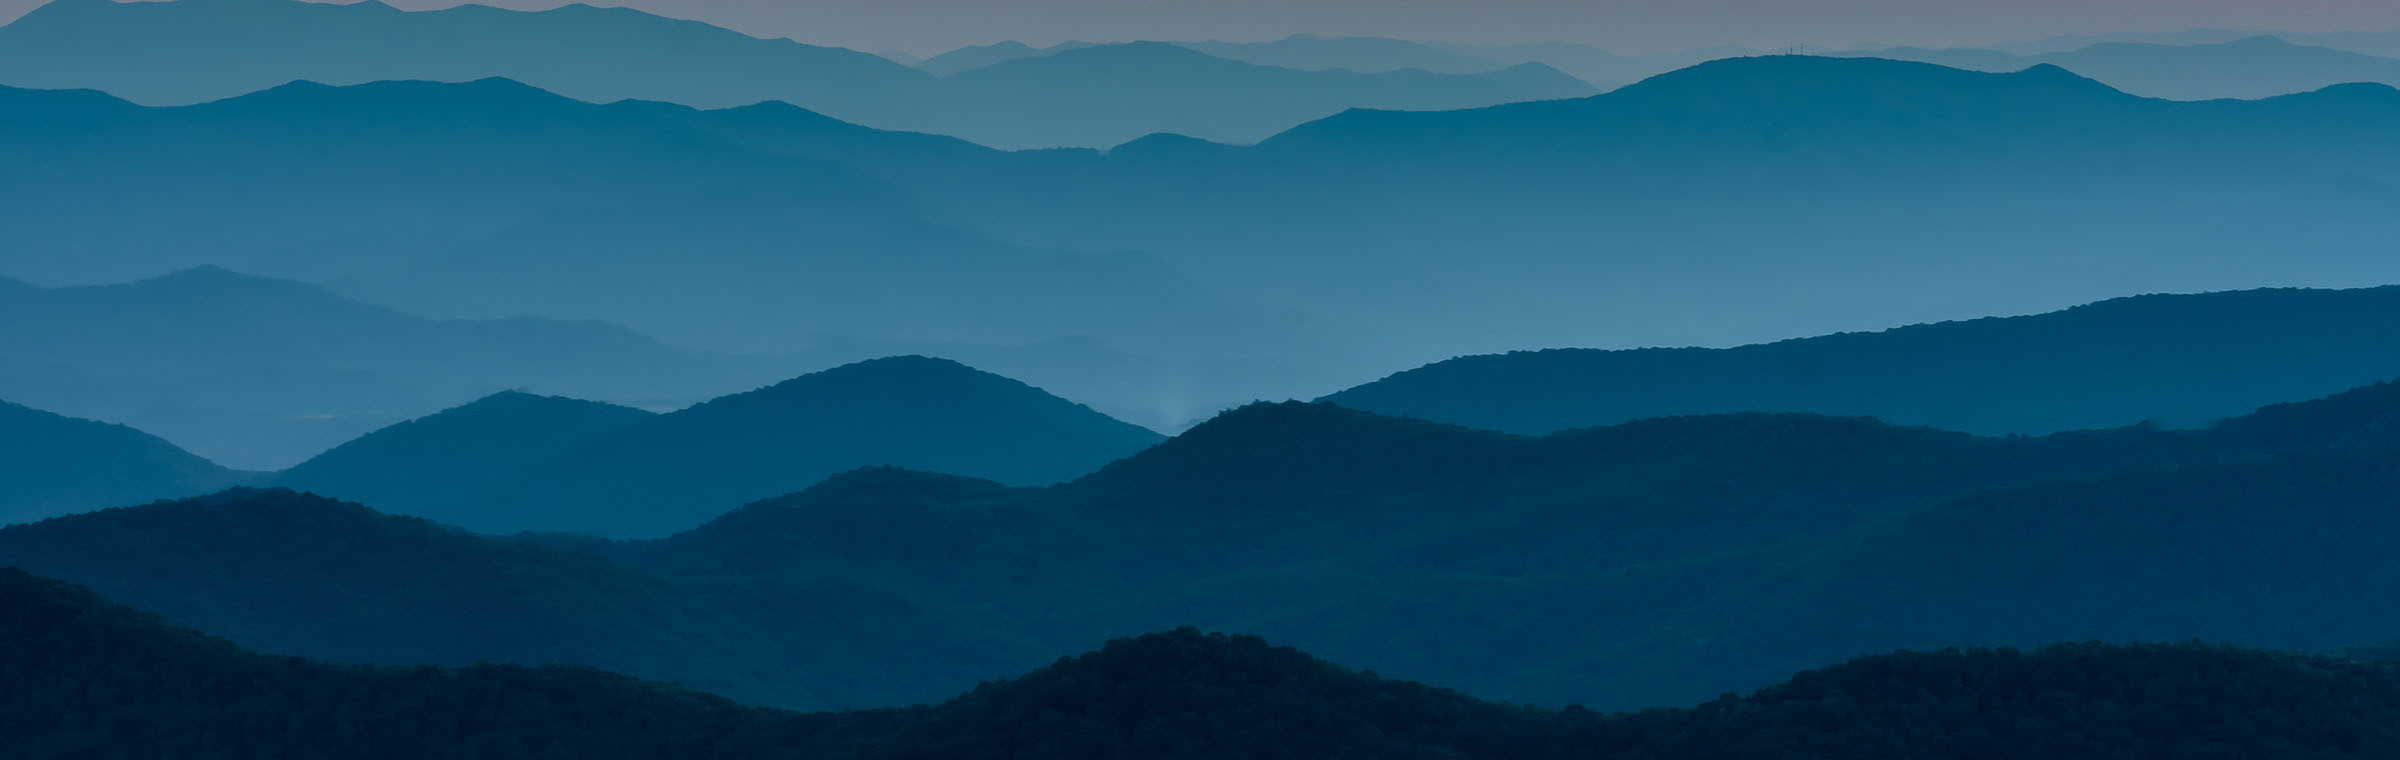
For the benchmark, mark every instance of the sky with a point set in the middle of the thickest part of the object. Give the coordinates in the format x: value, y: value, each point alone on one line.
x: 1626, y: 26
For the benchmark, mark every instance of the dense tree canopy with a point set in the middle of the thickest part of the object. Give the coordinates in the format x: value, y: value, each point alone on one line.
x: 91, y: 679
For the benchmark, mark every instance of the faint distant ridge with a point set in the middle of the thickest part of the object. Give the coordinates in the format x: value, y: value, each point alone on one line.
x: 198, y: 50
x: 670, y: 472
x: 2251, y: 67
x: 421, y: 467
x: 1108, y: 94
x: 979, y: 56
x: 192, y: 51
x: 261, y: 372
x: 1360, y: 54
x: 58, y: 465
x: 2171, y: 359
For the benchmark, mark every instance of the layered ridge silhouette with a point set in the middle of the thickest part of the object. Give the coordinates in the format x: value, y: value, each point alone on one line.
x: 1647, y: 564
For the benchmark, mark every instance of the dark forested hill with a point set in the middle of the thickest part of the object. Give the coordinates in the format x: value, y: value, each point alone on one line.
x: 425, y: 466
x: 1645, y: 564
x: 298, y: 574
x: 2174, y: 360
x: 93, y: 679
x: 57, y: 465
x: 261, y: 373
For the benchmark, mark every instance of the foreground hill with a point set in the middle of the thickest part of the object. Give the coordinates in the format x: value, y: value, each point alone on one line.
x: 97, y: 678
x: 513, y: 462
x: 261, y: 373
x: 1647, y: 564
x: 298, y: 574
x: 57, y: 465
x: 2176, y: 360
x: 425, y: 466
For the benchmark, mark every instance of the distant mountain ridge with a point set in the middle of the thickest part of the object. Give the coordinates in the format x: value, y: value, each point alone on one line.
x: 261, y: 373
x: 2248, y: 68
x: 193, y: 51
x: 1734, y: 202
x: 2181, y: 360
x: 1110, y: 95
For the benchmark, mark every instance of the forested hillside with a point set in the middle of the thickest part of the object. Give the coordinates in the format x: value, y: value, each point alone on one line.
x: 93, y: 679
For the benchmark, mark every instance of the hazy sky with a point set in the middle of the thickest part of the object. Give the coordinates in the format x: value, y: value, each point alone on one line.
x: 1631, y: 26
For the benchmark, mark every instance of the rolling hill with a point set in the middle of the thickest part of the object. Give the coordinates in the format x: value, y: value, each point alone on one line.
x: 2181, y: 360
x: 520, y: 463
x: 302, y: 575
x: 1647, y: 564
x: 431, y: 466
x: 59, y: 465
x: 84, y: 663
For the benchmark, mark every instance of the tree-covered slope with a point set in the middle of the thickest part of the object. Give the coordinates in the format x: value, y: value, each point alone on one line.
x: 89, y: 678
x: 297, y: 574
x: 93, y: 679
x: 2177, y: 360
x: 57, y: 465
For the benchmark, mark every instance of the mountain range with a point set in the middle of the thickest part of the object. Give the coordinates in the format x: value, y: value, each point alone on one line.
x: 194, y: 51
x: 83, y: 663
x: 559, y: 208
x: 2176, y: 360
x: 1747, y: 200
x: 1647, y: 564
